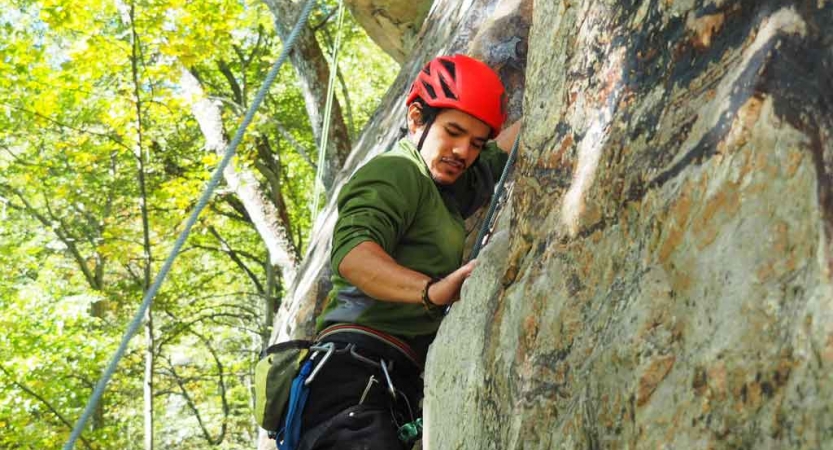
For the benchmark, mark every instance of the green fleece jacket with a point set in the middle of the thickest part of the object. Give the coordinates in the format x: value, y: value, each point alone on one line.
x: 393, y: 201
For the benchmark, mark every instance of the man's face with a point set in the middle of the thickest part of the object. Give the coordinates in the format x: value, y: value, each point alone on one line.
x: 454, y: 141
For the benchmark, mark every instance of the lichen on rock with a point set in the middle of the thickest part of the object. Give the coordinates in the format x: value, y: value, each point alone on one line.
x: 667, y: 276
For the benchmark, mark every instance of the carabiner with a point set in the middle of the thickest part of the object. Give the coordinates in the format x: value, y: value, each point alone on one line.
x: 329, y: 347
x: 361, y: 358
x: 391, y: 389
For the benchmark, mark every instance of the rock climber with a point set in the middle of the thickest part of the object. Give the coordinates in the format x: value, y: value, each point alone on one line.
x: 397, y: 251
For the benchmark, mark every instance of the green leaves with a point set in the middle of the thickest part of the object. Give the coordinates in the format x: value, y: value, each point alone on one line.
x: 70, y: 223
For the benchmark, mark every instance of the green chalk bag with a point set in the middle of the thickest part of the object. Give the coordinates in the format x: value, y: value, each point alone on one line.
x: 273, y: 381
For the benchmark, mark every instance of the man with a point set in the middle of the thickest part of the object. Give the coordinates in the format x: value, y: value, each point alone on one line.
x: 397, y: 254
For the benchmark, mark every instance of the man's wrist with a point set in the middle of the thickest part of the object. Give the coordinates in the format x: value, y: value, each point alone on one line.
x: 426, y: 298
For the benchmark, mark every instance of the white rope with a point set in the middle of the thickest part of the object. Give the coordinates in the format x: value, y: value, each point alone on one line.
x: 325, y: 131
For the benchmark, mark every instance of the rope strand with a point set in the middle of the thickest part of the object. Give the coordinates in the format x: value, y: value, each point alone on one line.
x: 487, y: 222
x: 328, y: 110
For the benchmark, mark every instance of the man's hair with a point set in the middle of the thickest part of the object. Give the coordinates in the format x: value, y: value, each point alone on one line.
x: 427, y: 115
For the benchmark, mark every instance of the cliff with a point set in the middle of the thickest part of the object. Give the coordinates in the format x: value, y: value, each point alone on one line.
x: 660, y: 276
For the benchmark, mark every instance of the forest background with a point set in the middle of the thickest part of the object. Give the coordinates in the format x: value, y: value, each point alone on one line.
x: 112, y: 115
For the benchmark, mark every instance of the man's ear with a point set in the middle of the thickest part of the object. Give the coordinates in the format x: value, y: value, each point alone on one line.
x: 414, y: 118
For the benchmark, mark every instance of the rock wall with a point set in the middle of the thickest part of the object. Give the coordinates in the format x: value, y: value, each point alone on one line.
x: 661, y: 277
x: 392, y: 24
x: 661, y: 274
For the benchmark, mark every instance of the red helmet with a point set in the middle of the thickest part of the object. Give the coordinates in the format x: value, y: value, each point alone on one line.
x: 465, y: 84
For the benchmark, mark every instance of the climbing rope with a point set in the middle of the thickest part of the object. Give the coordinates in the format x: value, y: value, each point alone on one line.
x: 325, y: 131
x: 487, y: 222
x: 203, y: 201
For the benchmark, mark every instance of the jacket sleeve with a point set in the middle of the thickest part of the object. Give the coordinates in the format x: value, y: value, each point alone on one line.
x: 378, y: 204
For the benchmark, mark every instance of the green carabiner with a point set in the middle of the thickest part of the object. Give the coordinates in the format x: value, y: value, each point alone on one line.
x: 411, y: 431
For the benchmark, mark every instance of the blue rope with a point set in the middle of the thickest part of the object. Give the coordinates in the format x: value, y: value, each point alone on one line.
x: 297, y: 400
x: 495, y: 198
x: 203, y: 201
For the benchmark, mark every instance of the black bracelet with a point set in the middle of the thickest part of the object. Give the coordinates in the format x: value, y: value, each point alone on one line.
x: 426, y: 301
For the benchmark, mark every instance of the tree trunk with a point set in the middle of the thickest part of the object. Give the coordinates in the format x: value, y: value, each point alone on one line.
x: 263, y: 213
x: 314, y: 75
x: 146, y: 246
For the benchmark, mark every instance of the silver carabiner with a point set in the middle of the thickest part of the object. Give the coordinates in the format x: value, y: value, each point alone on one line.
x: 367, y: 388
x: 361, y: 358
x: 329, y: 347
x: 391, y: 389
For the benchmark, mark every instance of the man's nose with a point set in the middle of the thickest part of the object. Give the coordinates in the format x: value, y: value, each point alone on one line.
x: 462, y: 149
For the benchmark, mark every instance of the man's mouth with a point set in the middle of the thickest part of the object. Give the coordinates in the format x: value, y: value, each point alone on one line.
x: 457, y: 164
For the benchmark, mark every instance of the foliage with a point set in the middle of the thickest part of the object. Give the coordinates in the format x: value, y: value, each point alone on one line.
x: 71, y: 138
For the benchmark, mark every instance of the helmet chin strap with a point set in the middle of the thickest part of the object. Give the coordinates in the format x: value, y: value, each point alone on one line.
x: 427, y: 127
x: 425, y: 130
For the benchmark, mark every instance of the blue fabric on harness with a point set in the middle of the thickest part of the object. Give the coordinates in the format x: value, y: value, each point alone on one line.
x: 297, y: 399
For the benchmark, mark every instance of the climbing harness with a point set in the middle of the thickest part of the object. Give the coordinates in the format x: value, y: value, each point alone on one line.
x: 487, y: 221
x: 325, y: 131
x: 349, y: 340
x: 192, y: 219
x: 364, y: 336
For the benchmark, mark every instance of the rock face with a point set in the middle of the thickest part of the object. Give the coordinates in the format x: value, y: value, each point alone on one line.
x: 662, y: 275
x: 392, y: 24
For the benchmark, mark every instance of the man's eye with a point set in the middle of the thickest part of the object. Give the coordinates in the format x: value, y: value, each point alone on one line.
x: 451, y: 132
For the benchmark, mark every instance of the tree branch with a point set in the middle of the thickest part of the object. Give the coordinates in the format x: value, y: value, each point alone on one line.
x: 174, y: 331
x: 324, y: 21
x: 109, y: 137
x: 228, y: 250
x: 265, y: 218
x: 236, y: 205
x: 237, y: 93
x: 295, y: 145
x: 60, y: 231
x: 313, y: 75
x: 183, y: 392
x: 344, y: 91
x: 247, y: 255
x: 45, y: 402
x: 268, y: 164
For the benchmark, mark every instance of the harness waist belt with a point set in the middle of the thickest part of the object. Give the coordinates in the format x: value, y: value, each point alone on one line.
x: 383, y: 344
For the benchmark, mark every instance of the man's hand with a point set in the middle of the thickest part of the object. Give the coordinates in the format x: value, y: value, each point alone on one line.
x: 447, y: 290
x: 371, y: 269
x: 506, y: 139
